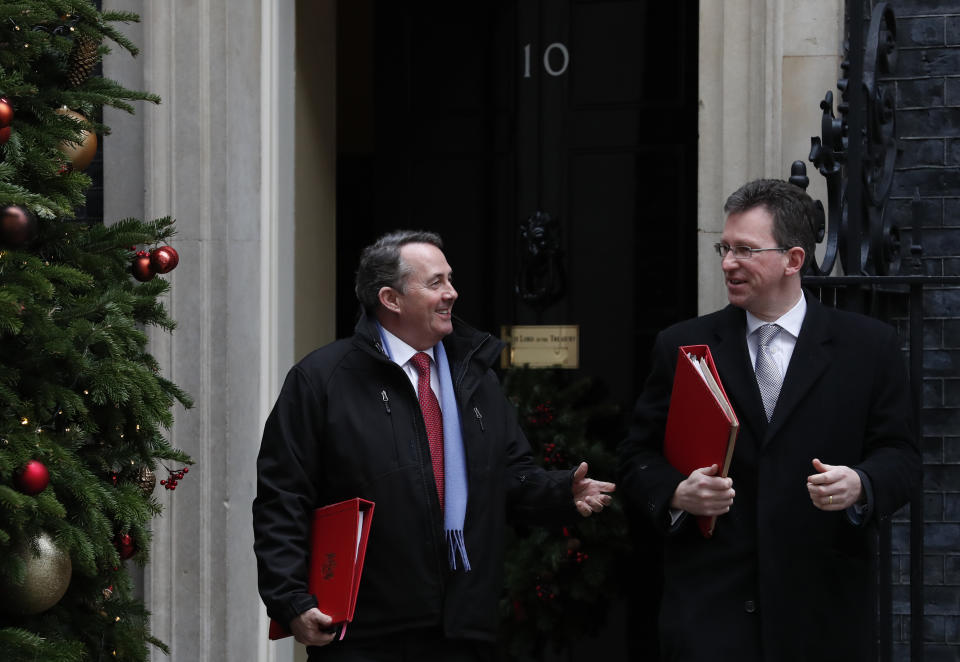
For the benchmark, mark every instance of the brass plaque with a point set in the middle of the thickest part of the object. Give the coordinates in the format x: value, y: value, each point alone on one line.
x: 541, y: 346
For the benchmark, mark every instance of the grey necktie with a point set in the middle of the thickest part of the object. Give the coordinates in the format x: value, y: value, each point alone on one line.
x: 769, y: 378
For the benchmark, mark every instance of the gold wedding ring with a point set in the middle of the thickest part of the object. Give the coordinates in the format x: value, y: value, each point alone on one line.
x: 830, y: 500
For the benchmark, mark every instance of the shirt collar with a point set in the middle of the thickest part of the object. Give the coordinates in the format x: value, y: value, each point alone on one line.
x: 791, y: 321
x: 400, y: 351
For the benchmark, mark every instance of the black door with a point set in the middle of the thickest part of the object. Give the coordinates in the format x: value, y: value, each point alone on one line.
x: 468, y: 118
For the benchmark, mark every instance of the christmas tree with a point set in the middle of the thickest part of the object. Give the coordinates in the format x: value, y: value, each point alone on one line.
x: 560, y: 580
x: 83, y: 408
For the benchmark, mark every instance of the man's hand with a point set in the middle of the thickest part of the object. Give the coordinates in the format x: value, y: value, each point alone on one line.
x: 704, y: 493
x: 589, y: 495
x: 313, y: 628
x: 834, y: 487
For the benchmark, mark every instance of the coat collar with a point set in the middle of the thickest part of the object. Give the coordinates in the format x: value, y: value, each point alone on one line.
x: 733, y: 364
x: 465, y: 345
x: 810, y: 359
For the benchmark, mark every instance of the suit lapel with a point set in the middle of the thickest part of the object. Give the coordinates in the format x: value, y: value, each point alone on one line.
x: 810, y: 359
x: 736, y: 373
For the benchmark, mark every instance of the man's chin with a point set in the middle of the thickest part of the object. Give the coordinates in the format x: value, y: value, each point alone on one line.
x: 737, y: 300
x: 442, y: 330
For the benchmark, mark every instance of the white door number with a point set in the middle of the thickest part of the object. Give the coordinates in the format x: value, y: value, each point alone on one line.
x: 549, y: 60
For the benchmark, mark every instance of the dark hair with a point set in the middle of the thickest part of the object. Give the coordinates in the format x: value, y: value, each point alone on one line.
x: 791, y: 208
x: 381, y: 265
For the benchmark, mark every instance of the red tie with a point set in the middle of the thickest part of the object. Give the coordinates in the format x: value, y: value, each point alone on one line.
x: 431, y: 418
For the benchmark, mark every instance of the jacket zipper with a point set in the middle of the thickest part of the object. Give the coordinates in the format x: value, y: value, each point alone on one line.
x: 476, y: 412
x: 386, y: 400
x: 466, y: 362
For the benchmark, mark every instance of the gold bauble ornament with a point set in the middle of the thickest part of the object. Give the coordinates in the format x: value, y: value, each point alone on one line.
x: 147, y: 480
x: 80, y: 154
x: 46, y: 579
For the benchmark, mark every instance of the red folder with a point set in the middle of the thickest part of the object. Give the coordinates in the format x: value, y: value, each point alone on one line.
x: 337, y: 548
x: 701, y: 424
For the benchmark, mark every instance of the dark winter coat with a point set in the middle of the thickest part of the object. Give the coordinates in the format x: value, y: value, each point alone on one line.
x: 348, y: 424
x: 780, y: 579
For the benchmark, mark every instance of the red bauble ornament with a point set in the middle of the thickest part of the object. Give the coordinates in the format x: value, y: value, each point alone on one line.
x: 164, y: 259
x: 17, y: 226
x: 141, y: 268
x: 125, y: 546
x: 33, y: 478
x: 6, y: 112
x: 5, y: 134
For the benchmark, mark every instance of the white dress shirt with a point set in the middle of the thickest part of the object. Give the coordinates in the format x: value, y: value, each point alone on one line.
x: 401, y: 353
x: 781, y: 349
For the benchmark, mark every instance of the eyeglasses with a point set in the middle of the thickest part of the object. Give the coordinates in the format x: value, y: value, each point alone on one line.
x: 743, y: 252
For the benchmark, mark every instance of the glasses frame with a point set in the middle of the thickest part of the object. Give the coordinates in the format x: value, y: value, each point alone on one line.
x: 723, y: 250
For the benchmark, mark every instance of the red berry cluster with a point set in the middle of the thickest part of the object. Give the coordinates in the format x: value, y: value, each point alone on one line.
x: 175, y: 477
x: 543, y: 414
x: 578, y: 557
x: 545, y: 593
x: 552, y: 455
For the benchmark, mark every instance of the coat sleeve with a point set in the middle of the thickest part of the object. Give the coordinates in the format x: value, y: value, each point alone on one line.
x: 286, y: 496
x: 534, y: 495
x: 891, y: 458
x: 647, y: 481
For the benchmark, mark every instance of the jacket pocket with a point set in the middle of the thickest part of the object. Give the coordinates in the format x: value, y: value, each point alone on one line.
x: 363, y: 440
x: 476, y: 438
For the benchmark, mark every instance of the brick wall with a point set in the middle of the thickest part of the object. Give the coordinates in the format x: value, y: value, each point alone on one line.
x: 927, y: 80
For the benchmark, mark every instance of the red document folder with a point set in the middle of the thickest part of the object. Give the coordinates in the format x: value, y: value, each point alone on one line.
x: 701, y: 424
x: 337, y: 547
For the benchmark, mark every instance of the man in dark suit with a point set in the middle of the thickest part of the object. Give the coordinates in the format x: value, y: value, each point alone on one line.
x: 825, y: 448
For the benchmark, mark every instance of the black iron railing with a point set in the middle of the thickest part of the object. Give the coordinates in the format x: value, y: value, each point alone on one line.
x: 884, y: 274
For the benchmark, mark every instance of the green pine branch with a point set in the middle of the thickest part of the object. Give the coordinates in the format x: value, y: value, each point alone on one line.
x: 560, y: 580
x: 79, y: 390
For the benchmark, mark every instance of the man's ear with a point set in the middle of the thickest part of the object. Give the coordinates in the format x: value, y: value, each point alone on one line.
x: 795, y: 259
x: 389, y: 299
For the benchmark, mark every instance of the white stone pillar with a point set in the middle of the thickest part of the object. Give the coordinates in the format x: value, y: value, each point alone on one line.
x: 764, y: 66
x: 217, y: 155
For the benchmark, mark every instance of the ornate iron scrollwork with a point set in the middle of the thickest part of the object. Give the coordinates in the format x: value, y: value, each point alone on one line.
x: 540, y: 279
x: 879, y: 239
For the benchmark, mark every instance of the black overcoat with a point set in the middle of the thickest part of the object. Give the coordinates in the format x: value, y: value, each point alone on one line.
x: 780, y: 579
x: 347, y: 423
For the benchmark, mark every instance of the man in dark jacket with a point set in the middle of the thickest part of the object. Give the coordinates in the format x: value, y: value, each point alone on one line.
x: 408, y: 414
x: 825, y: 448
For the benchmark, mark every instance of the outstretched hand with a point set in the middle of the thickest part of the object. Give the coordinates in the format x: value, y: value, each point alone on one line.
x: 589, y: 495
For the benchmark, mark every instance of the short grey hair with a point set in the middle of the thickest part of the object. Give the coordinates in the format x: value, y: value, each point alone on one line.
x: 793, y: 212
x: 381, y: 265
